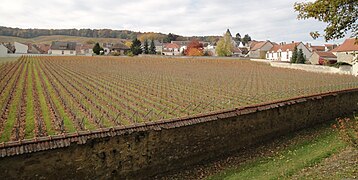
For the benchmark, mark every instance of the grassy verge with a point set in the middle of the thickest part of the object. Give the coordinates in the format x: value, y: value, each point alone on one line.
x: 289, y: 161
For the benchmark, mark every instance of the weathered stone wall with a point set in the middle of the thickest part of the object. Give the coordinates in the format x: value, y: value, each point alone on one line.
x: 313, y: 68
x: 143, y: 151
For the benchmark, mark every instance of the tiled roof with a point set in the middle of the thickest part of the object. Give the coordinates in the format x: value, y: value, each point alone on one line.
x: 57, y: 45
x: 171, y: 45
x: 237, y: 50
x: 120, y: 46
x: 326, y: 54
x: 258, y: 45
x: 284, y: 47
x: 348, y: 45
x: 43, y: 48
x: 318, y: 48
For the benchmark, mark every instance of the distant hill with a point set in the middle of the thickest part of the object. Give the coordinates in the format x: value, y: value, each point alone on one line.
x: 8, y: 34
x: 49, y: 39
x: 91, y: 33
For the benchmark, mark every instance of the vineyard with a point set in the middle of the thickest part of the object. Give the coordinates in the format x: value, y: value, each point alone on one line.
x: 42, y: 96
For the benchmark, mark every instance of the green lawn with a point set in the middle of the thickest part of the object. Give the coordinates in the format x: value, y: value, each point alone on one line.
x: 289, y: 161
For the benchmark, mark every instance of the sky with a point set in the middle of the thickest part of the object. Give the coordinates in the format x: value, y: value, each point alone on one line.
x: 273, y: 20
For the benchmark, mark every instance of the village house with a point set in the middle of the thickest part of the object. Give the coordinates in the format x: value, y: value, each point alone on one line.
x: 321, y: 57
x: 21, y: 48
x: 43, y: 48
x: 347, y: 51
x: 236, y: 52
x: 181, y: 43
x: 63, y: 48
x: 259, y: 49
x: 283, y: 51
x: 84, y: 49
x: 171, y: 49
x: 120, y: 48
x: 33, y: 49
x: 210, y: 49
x: 158, y: 46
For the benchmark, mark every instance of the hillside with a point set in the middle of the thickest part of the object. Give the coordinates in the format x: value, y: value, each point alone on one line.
x: 8, y: 34
x: 49, y: 39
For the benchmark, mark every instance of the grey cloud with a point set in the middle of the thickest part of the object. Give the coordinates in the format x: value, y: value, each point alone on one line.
x: 270, y: 19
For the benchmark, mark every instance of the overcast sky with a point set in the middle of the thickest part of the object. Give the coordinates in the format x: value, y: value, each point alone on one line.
x: 262, y: 19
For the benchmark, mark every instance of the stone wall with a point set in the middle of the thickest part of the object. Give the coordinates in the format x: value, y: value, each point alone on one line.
x: 313, y: 68
x: 144, y: 150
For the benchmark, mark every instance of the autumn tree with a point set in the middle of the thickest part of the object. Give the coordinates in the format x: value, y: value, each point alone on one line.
x: 340, y: 16
x: 151, y: 35
x: 152, y: 49
x: 195, y: 48
x: 128, y: 43
x: 136, y: 47
x: 146, y: 47
x: 225, y: 45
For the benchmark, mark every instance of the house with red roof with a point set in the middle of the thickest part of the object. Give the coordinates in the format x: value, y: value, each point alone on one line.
x: 44, y: 48
x: 259, y: 49
x: 283, y: 51
x: 171, y: 49
x: 347, y: 51
x: 321, y: 57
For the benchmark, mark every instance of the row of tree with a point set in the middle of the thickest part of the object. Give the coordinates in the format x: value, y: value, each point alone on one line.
x: 136, y: 47
x: 298, y: 56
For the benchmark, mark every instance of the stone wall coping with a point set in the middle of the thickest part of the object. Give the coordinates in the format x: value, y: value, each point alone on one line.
x: 37, y: 144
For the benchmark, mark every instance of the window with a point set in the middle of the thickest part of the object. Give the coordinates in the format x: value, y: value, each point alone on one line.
x: 71, y: 52
x: 63, y: 52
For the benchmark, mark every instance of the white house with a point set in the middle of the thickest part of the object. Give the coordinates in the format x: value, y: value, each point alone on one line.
x: 21, y: 48
x: 347, y: 51
x: 62, y: 48
x: 171, y: 49
x: 3, y: 51
x: 283, y: 52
